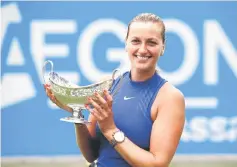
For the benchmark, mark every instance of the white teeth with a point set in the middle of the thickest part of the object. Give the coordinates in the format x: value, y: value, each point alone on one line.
x: 142, y: 57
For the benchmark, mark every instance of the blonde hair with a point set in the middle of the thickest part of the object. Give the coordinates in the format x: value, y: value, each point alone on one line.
x: 148, y: 17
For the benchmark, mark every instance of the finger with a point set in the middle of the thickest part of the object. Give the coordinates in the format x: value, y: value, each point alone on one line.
x: 94, y: 98
x: 94, y: 112
x: 50, y: 95
x: 102, y: 101
x: 94, y: 104
x: 100, y: 110
x: 49, y: 91
x: 55, y: 101
x: 52, y: 98
x: 109, y: 98
x: 46, y: 86
x: 58, y: 103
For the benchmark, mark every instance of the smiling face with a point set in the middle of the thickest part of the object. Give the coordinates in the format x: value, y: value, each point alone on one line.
x: 144, y: 45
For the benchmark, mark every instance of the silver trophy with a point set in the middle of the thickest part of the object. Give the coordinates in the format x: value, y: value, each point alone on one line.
x: 73, y: 95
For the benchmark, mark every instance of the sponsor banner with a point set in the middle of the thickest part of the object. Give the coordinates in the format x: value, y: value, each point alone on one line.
x: 85, y: 40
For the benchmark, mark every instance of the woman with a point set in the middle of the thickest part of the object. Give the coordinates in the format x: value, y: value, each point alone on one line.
x: 142, y: 124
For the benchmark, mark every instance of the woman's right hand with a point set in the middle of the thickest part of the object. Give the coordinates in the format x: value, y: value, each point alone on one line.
x: 54, y: 100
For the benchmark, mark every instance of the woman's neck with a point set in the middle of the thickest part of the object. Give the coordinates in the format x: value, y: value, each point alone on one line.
x: 139, y: 76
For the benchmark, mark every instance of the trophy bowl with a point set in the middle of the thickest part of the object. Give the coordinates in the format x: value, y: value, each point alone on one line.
x: 73, y: 95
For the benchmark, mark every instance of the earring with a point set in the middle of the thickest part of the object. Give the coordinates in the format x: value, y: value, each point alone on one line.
x: 162, y: 52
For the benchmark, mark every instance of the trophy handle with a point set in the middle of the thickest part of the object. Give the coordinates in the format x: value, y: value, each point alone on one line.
x: 120, y: 80
x: 44, y: 68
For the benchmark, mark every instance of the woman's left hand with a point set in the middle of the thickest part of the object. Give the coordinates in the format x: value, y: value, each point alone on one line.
x: 102, y: 110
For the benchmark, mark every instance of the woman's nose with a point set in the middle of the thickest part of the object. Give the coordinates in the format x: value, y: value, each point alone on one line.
x: 142, y: 49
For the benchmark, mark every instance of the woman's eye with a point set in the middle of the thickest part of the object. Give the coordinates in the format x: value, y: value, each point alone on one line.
x: 135, y: 41
x: 152, y: 43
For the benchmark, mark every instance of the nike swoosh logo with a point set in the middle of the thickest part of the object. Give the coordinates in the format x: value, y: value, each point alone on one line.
x: 128, y: 98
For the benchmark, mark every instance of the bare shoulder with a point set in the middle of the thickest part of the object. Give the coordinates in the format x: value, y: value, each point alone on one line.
x: 168, y: 92
x: 167, y: 97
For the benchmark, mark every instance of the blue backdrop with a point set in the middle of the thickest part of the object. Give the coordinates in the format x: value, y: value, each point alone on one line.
x: 85, y: 40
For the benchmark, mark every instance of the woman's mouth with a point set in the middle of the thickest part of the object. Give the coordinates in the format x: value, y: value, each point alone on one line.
x: 143, y: 57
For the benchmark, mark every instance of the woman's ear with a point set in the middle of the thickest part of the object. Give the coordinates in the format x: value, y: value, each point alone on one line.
x: 163, y: 50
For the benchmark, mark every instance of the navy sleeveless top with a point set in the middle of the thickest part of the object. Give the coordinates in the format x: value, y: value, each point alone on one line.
x: 132, y: 115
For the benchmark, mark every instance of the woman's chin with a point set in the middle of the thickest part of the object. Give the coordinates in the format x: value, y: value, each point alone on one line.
x: 143, y: 68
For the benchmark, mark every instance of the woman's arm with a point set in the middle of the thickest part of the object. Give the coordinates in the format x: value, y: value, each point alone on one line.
x: 86, y: 141
x: 166, y: 131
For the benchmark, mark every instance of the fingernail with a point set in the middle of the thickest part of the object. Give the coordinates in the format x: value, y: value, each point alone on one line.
x: 96, y: 93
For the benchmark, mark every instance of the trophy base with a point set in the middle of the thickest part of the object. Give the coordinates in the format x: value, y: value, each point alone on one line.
x: 75, y: 120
